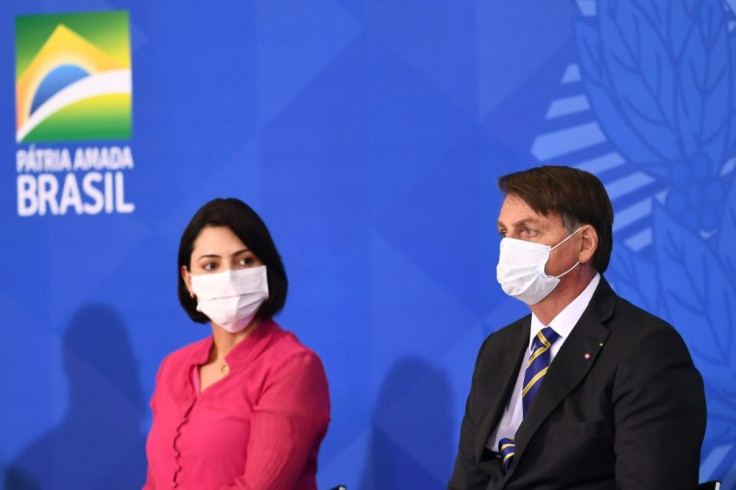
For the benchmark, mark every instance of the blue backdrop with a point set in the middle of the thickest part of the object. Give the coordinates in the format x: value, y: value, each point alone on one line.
x: 369, y: 135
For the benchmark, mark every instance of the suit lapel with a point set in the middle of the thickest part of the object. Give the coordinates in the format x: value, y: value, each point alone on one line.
x: 570, y: 365
x: 508, y: 365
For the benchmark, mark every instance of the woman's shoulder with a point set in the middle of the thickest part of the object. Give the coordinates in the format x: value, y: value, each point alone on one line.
x: 287, y: 342
x: 284, y: 347
x: 189, y: 354
x: 289, y: 361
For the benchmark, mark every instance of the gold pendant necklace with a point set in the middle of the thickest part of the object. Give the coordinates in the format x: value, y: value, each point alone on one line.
x: 224, y: 369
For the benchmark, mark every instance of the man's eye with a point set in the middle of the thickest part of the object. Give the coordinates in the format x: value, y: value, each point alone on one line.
x: 529, y: 232
x: 502, y: 233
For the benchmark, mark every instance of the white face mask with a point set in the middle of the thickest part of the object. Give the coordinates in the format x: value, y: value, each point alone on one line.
x: 231, y: 298
x: 520, y: 269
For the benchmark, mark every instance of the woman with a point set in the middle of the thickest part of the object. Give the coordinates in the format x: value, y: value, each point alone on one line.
x: 248, y: 406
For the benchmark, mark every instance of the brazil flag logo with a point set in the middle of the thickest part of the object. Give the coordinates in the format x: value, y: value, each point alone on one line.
x: 73, y: 77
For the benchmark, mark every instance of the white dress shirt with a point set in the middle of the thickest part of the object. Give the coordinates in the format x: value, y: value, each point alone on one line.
x: 563, y: 324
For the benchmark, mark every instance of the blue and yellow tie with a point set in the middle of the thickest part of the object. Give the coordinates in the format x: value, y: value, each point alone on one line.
x: 536, y: 368
x: 507, y: 450
x: 537, y: 365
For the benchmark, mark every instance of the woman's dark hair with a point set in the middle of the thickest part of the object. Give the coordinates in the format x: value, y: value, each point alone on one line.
x: 579, y: 197
x: 251, y: 230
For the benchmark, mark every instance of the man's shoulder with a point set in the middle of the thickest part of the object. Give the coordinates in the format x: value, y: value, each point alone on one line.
x: 620, y: 315
x: 632, y: 319
x: 638, y: 333
x: 515, y: 327
x: 510, y: 333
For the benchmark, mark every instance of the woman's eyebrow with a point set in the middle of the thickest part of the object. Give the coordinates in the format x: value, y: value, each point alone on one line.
x: 208, y: 256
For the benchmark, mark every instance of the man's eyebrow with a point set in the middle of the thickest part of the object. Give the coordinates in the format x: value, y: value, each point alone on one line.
x: 523, y: 222
x: 528, y: 221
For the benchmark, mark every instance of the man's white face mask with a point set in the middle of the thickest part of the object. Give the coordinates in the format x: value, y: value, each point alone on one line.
x: 520, y: 270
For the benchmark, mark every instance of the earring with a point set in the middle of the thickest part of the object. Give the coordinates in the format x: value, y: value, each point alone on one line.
x: 191, y: 294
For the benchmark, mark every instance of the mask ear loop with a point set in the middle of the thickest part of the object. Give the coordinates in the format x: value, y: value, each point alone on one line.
x: 566, y: 239
x: 563, y: 241
x: 568, y: 270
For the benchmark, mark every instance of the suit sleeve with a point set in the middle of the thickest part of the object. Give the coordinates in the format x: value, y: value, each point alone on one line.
x: 466, y: 474
x: 659, y: 413
x: 289, y: 422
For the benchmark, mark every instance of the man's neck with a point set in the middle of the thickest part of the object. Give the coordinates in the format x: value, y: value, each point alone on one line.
x: 565, y: 293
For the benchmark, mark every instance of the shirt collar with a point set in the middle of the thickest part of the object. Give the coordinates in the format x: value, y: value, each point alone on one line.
x: 565, y: 320
x: 252, y: 345
x: 243, y: 352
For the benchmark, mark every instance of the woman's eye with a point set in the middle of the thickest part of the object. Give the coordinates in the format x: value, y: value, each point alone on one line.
x: 246, y: 261
x: 210, y: 266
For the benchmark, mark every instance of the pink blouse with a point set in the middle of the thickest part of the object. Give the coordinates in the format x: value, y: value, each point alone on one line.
x: 260, y: 427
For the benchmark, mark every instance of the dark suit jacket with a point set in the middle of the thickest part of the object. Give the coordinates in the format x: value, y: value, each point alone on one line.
x: 631, y: 416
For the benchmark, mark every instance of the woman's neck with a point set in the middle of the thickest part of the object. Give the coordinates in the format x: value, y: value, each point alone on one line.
x: 223, y: 341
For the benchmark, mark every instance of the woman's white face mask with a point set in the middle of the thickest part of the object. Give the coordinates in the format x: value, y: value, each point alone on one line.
x: 231, y: 298
x: 520, y: 270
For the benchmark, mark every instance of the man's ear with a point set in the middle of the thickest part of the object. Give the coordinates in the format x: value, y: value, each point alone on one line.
x: 588, y: 244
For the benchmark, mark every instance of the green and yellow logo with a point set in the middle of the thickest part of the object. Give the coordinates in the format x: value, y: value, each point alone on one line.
x: 73, y: 77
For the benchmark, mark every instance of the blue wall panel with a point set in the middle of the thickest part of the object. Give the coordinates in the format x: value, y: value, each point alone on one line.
x: 369, y: 135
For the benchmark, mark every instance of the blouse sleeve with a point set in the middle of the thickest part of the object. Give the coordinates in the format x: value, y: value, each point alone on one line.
x: 149, y: 485
x: 289, y: 422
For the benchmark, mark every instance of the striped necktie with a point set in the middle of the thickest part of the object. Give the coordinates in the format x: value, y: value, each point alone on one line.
x: 537, y: 365
x: 536, y: 368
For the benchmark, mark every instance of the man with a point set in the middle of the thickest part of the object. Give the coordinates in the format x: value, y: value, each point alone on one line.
x: 588, y: 392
